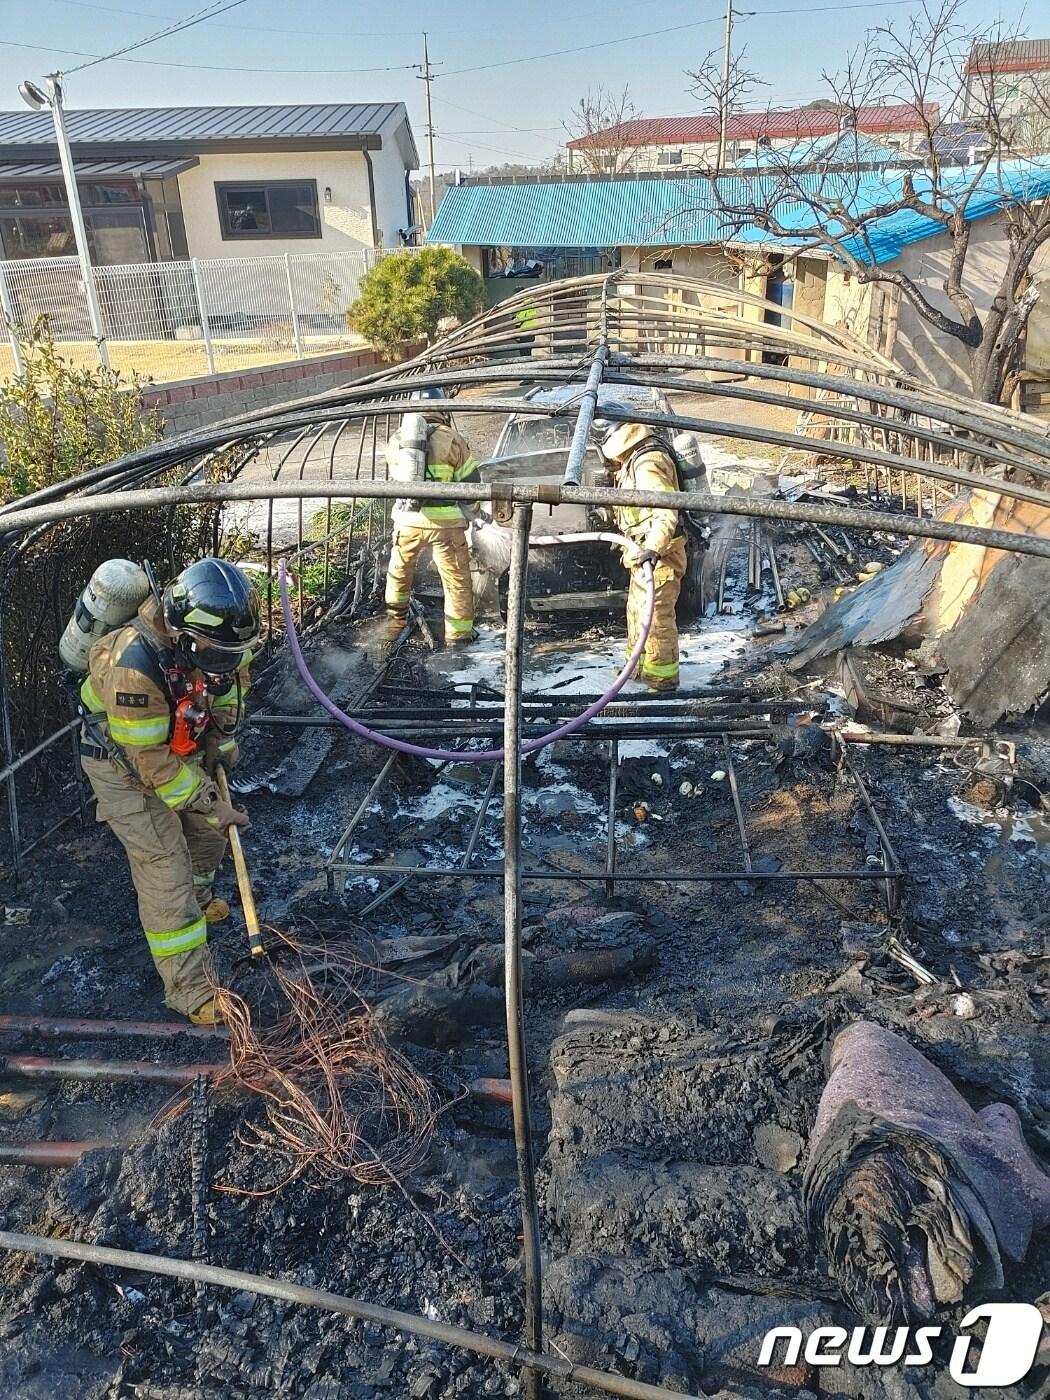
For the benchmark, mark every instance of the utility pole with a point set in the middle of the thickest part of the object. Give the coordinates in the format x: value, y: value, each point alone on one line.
x: 723, y: 103
x: 427, y: 76
x: 34, y: 98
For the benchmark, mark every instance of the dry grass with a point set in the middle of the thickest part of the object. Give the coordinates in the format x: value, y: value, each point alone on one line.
x: 165, y: 360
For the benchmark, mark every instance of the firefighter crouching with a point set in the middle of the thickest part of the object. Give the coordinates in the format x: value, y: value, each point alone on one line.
x: 162, y: 701
x: 640, y: 461
x: 427, y: 448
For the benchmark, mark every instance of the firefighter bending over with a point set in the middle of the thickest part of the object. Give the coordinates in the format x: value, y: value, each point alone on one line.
x: 427, y: 448
x: 640, y: 461
x: 162, y: 701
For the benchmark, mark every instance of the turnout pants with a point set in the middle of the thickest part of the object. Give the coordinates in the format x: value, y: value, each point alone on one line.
x: 174, y: 857
x: 659, y: 664
x: 452, y: 559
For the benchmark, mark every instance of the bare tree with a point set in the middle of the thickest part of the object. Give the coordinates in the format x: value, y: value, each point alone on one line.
x: 599, y: 119
x: 924, y: 64
x: 716, y: 90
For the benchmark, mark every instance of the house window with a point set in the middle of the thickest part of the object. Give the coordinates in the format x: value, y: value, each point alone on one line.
x: 663, y: 265
x: 669, y: 158
x: 269, y: 209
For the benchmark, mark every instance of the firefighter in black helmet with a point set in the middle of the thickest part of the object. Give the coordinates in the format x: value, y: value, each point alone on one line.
x: 163, y: 701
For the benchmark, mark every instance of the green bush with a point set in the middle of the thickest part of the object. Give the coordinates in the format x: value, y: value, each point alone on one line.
x: 57, y: 421
x: 405, y: 296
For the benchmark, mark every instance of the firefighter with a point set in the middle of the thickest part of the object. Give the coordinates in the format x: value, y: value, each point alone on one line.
x: 162, y: 702
x: 440, y: 526
x: 640, y: 461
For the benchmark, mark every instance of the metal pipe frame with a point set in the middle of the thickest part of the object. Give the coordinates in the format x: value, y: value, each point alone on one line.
x: 78, y: 1028
x: 517, y: 1058
x: 104, y: 1071
x: 891, y: 871
x: 479, y: 1343
x: 701, y: 502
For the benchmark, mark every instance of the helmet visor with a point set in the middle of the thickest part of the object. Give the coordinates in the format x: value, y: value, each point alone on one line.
x: 214, y: 659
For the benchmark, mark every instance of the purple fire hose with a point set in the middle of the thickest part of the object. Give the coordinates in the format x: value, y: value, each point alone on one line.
x: 470, y: 755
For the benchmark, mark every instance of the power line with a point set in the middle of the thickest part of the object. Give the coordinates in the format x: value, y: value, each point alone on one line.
x: 508, y: 126
x: 580, y: 48
x: 212, y: 67
x: 258, y: 28
x: 196, y: 18
x: 456, y: 72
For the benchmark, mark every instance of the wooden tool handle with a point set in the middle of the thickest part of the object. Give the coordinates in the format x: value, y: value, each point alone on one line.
x: 240, y: 865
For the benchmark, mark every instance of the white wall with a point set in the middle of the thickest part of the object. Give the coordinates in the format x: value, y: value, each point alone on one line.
x: 346, y: 224
x: 391, y: 200
x: 646, y: 158
x: 919, y: 345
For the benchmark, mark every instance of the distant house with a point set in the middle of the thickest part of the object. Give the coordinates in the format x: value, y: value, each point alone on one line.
x: 210, y: 182
x: 1012, y: 79
x: 663, y: 143
x: 845, y: 150
x: 665, y: 223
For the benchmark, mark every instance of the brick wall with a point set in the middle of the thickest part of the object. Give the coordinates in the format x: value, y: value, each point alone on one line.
x: 198, y: 403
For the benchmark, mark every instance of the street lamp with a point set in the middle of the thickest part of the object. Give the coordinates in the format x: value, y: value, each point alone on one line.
x: 33, y: 97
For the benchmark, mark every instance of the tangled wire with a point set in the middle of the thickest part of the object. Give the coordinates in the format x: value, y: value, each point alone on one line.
x: 339, y: 1099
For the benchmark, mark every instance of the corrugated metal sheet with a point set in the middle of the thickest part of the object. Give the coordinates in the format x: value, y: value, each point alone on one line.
x: 51, y: 170
x: 1012, y: 55
x: 1015, y: 182
x: 662, y: 213
x: 851, y: 148
x: 749, y: 126
x: 597, y: 213
x: 200, y: 125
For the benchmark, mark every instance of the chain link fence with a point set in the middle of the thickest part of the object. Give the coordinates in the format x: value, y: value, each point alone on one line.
x: 174, y: 320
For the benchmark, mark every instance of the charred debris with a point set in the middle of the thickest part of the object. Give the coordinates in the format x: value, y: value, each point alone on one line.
x: 725, y: 1013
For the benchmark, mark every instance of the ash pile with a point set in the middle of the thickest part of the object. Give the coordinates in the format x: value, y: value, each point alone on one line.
x: 787, y: 981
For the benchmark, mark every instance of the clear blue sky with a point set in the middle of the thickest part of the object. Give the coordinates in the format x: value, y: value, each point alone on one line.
x: 498, y: 114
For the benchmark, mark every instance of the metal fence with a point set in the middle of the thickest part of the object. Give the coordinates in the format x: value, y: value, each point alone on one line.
x: 173, y: 320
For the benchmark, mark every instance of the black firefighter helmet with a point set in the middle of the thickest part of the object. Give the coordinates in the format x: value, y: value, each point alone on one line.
x: 212, y: 610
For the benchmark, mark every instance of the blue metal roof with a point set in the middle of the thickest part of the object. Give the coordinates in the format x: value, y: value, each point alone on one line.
x: 660, y: 213
x: 847, y: 148
x: 596, y: 213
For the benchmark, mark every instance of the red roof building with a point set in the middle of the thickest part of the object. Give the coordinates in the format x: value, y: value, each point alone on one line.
x: 793, y: 124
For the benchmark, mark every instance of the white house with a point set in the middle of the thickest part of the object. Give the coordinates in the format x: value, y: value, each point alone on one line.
x: 211, y: 182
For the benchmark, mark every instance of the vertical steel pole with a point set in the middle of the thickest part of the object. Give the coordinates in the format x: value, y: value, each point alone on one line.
x: 7, y: 306
x: 9, y: 755
x: 610, y: 836
x: 296, y: 337
x: 427, y: 76
x: 202, y: 311
x: 723, y: 96
x: 516, y: 1054
x: 76, y: 214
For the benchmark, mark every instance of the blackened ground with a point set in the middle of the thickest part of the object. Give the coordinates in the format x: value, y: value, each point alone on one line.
x: 670, y: 1129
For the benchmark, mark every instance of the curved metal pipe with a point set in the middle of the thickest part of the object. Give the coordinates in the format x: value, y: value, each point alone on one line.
x: 477, y: 1342
x: 866, y: 521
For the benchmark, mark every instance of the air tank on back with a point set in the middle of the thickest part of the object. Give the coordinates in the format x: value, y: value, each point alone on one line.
x: 691, y: 468
x: 114, y: 594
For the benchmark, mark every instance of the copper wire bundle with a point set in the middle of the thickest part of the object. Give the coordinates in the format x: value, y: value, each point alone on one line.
x: 339, y: 1099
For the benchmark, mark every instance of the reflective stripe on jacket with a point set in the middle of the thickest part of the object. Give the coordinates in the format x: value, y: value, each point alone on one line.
x: 448, y: 459
x: 650, y: 469
x: 126, y: 692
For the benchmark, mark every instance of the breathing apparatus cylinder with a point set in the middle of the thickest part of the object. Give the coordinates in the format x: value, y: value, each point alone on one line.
x: 409, y: 462
x: 113, y: 596
x: 692, y: 472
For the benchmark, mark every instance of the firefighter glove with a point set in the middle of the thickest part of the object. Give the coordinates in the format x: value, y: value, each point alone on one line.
x: 224, y: 815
